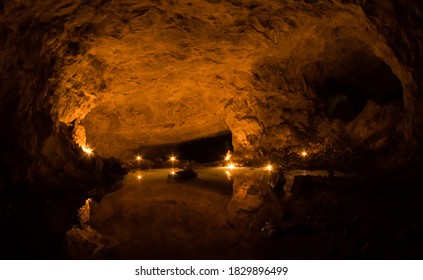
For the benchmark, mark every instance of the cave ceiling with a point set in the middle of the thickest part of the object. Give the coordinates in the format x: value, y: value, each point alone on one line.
x: 128, y: 74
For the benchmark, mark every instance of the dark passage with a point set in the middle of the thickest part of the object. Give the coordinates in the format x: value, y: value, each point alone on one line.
x: 347, y: 76
x: 346, y: 95
x: 205, y: 150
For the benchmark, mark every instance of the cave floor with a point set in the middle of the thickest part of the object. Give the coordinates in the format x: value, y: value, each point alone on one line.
x: 242, y: 217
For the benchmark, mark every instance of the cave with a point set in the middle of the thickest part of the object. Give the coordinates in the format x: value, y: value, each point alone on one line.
x: 203, y: 151
x: 206, y: 150
x: 211, y: 129
x: 344, y: 86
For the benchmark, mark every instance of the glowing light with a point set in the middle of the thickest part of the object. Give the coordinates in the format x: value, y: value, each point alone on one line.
x: 172, y: 158
x: 269, y: 167
x: 139, y: 177
x: 304, y: 154
x: 87, y: 150
x: 231, y: 166
x: 228, y: 175
x: 139, y: 158
x: 228, y: 156
x: 173, y: 172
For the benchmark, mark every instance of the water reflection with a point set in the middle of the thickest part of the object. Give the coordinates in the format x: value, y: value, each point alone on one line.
x: 254, y: 203
x: 203, y: 217
x: 250, y: 213
x: 228, y: 175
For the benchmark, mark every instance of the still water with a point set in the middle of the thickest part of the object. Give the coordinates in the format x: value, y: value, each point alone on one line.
x: 251, y: 213
x: 220, y: 214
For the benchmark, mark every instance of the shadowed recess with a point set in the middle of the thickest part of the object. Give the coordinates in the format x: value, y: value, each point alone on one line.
x: 346, y: 83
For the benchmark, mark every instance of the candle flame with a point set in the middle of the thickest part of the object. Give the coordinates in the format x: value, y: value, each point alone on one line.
x: 269, y: 167
x: 138, y: 158
x: 303, y: 153
x: 172, y: 158
x: 87, y: 150
x: 231, y: 166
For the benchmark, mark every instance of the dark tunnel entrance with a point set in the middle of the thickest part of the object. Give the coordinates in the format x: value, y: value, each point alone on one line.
x: 204, y: 150
x: 344, y: 85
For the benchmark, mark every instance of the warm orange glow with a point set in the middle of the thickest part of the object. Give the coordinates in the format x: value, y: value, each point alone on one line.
x: 173, y: 172
x: 228, y: 174
x: 231, y: 166
x: 228, y: 156
x: 139, y: 158
x: 87, y: 150
x: 139, y: 177
x: 269, y: 167
x: 303, y: 153
x: 172, y: 158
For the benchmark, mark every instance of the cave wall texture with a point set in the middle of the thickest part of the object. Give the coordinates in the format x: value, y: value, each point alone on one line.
x: 120, y: 75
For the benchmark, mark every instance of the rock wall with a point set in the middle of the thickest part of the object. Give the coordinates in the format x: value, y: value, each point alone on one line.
x: 128, y: 74
x: 400, y: 23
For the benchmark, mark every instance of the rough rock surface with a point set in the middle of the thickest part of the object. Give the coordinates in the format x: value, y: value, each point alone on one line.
x: 127, y: 74
x: 306, y: 83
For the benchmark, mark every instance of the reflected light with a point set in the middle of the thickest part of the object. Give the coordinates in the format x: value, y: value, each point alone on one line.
x: 228, y: 175
x: 228, y: 156
x: 87, y: 150
x: 173, y: 172
x: 231, y: 166
x: 303, y: 153
x: 139, y: 177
